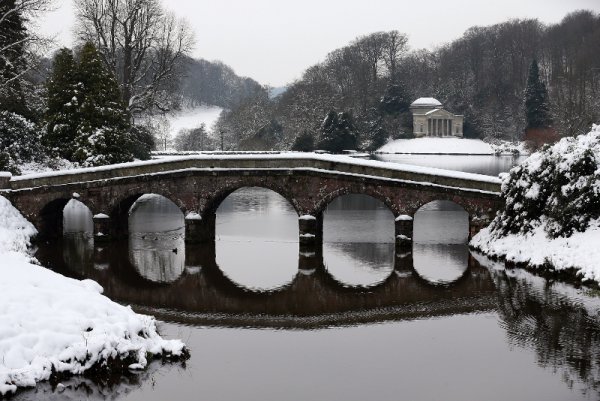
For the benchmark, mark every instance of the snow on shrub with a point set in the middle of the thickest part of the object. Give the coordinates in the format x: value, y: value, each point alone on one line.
x: 19, y: 141
x: 557, y: 187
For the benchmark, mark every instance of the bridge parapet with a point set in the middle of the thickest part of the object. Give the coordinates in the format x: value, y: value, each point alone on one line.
x: 339, y: 164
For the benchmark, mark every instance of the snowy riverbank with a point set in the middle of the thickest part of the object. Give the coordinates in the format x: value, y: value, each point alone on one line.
x: 53, y: 326
x: 551, y: 220
x: 452, y: 146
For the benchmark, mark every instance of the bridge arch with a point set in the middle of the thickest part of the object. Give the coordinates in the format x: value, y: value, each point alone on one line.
x: 50, y: 218
x: 119, y: 210
x: 325, y: 200
x: 212, y: 204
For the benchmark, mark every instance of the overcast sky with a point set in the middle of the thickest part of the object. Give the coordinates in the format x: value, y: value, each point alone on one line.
x: 274, y: 41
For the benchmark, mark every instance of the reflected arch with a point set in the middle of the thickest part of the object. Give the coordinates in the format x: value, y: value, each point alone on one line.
x: 358, y: 240
x: 440, y: 237
x: 441, y: 222
x: 120, y: 211
x: 52, y: 223
x: 156, y: 238
x: 212, y: 205
x: 256, y: 238
x: 326, y: 200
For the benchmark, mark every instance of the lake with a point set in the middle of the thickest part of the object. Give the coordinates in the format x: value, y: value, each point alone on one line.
x: 353, y: 320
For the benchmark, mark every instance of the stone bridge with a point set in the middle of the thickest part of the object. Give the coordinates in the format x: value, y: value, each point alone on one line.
x: 198, y: 185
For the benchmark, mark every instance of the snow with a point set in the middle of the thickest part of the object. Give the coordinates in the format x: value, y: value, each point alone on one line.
x: 50, y: 323
x: 5, y: 174
x: 273, y: 156
x: 442, y: 146
x: 426, y: 101
x: 193, y: 216
x: 307, y: 236
x: 192, y: 118
x: 580, y: 251
x: 307, y: 217
x: 404, y: 217
x: 101, y: 216
x: 551, y: 220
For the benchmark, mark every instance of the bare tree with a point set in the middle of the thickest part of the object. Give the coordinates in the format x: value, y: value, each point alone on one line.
x: 395, y: 44
x: 18, y: 45
x: 141, y: 43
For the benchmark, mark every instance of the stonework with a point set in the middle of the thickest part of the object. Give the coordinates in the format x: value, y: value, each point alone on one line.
x: 199, y: 192
x: 430, y: 119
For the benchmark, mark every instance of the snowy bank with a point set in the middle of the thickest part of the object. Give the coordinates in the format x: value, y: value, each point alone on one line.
x: 193, y: 118
x: 53, y: 326
x: 442, y: 146
x: 551, y: 220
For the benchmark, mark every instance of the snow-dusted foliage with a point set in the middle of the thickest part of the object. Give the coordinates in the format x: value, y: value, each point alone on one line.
x: 53, y: 325
x: 19, y: 141
x: 559, y: 187
x: 552, y: 212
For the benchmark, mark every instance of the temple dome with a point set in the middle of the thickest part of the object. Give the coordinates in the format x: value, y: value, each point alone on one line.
x: 426, y: 102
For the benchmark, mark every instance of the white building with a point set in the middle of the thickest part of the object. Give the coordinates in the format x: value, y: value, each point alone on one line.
x: 430, y: 119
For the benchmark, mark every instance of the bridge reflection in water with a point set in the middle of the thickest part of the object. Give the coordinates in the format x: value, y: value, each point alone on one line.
x: 488, y: 313
x: 201, y: 293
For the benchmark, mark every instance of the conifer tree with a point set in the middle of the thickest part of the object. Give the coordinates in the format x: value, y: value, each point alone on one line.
x: 12, y: 58
x: 337, y: 132
x: 64, y: 98
x: 537, y: 108
x: 103, y: 131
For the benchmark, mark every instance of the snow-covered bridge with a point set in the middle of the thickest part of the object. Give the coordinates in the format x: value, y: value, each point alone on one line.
x: 198, y: 184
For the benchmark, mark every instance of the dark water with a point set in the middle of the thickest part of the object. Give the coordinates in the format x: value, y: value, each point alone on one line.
x: 266, y: 320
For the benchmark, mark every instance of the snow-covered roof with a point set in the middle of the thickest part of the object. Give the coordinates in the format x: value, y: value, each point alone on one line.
x: 426, y: 101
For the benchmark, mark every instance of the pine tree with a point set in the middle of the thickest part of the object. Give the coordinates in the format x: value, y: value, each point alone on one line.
x: 64, y: 98
x: 304, y: 142
x: 103, y: 131
x: 536, y: 100
x: 12, y: 59
x: 337, y: 132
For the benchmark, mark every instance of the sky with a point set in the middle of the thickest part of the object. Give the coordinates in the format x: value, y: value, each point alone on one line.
x: 274, y: 41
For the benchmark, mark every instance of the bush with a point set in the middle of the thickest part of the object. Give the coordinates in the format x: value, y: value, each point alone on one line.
x: 19, y: 141
x: 558, y: 187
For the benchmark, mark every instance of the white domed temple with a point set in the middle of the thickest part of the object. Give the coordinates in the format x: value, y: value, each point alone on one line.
x: 431, y: 119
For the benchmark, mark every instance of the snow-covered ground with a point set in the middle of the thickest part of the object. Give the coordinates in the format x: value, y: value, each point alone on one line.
x: 192, y: 118
x: 580, y: 252
x: 438, y: 146
x: 53, y: 324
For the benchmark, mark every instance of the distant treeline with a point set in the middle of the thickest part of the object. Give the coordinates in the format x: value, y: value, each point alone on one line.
x: 215, y: 83
x: 482, y: 75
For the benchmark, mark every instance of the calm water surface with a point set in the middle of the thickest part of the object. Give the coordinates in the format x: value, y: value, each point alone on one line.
x: 266, y: 320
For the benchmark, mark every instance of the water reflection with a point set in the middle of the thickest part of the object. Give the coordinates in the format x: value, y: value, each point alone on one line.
x: 158, y: 257
x: 559, y: 322
x: 440, y: 250
x: 440, y: 263
x: 257, y: 239
x: 156, y: 239
x: 358, y: 240
x: 77, y: 218
x: 359, y: 264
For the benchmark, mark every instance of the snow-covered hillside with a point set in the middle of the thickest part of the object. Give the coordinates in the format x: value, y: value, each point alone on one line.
x: 53, y: 325
x: 192, y: 118
x: 552, y: 215
x: 438, y: 146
